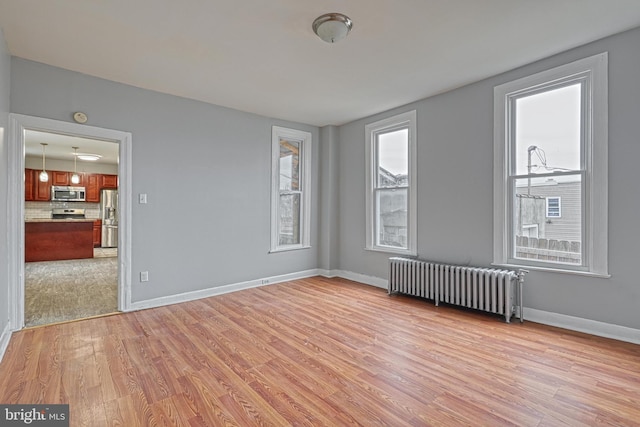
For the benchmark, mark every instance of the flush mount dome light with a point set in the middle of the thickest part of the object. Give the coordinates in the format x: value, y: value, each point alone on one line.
x: 89, y: 157
x: 332, y: 27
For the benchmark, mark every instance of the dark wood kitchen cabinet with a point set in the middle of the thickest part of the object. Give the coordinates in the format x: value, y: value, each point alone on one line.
x: 110, y: 181
x: 60, y: 177
x: 41, y: 190
x: 63, y: 178
x: 97, y: 233
x: 34, y: 189
x: 95, y: 182
x: 92, y: 182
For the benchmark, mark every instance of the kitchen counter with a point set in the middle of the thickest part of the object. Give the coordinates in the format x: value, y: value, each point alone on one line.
x: 58, y: 239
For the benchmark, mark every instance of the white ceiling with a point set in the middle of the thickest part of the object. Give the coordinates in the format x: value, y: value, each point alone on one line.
x: 262, y: 56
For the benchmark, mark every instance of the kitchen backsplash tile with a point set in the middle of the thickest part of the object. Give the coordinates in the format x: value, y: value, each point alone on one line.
x: 39, y: 210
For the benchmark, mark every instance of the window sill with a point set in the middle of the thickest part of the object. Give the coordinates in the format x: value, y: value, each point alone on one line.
x: 289, y: 248
x: 390, y: 250
x: 552, y: 270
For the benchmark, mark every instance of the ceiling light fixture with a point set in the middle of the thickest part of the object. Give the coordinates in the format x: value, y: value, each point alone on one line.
x: 44, y: 176
x: 89, y: 157
x: 75, y: 178
x: 332, y: 27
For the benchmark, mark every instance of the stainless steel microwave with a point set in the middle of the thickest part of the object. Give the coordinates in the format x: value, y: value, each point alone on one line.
x: 68, y: 194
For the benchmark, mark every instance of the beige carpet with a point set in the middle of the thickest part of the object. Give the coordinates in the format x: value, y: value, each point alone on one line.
x: 58, y: 291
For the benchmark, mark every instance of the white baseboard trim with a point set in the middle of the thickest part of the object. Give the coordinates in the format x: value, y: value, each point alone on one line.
x: 219, y: 290
x: 5, y: 337
x: 579, y: 324
x: 592, y: 327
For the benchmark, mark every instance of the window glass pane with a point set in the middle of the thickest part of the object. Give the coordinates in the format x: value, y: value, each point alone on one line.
x: 391, y: 218
x: 547, y: 131
x: 289, y: 210
x: 289, y: 165
x: 558, y: 239
x: 393, y: 158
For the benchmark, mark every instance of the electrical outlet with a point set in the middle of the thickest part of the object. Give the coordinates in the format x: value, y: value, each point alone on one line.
x: 144, y: 276
x: 264, y: 282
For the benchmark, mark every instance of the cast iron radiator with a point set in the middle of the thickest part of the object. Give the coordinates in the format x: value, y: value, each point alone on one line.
x: 488, y: 289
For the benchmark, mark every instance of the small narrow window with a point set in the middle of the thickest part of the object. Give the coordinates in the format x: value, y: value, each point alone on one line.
x: 391, y: 184
x: 553, y: 207
x: 291, y: 165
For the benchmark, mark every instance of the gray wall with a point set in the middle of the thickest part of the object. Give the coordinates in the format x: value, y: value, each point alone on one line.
x: 455, y: 188
x: 328, y: 258
x: 206, y: 170
x: 5, y: 68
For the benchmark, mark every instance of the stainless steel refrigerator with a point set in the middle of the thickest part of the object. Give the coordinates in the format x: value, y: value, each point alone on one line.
x: 109, y: 216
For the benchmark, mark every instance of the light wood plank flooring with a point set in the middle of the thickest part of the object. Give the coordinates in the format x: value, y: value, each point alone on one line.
x: 321, y: 352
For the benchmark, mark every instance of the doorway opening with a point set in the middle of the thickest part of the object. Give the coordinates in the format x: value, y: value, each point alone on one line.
x: 71, y: 227
x: 70, y: 240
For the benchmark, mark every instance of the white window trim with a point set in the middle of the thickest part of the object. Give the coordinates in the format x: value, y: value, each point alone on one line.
x: 18, y: 124
x: 399, y: 121
x: 594, y: 70
x: 559, y: 207
x: 278, y: 132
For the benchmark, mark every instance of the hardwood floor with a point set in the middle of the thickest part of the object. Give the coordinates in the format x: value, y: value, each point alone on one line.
x: 321, y: 352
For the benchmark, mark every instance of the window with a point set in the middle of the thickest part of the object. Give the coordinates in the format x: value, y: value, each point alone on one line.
x: 550, y: 145
x: 391, y: 184
x: 290, y: 189
x: 553, y: 207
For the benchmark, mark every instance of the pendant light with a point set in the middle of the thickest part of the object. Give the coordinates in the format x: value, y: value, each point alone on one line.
x: 75, y: 178
x: 44, y: 176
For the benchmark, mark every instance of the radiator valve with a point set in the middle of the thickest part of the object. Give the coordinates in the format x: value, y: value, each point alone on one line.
x: 521, y: 273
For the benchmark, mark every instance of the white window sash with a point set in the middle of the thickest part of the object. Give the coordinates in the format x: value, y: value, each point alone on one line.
x: 304, y: 138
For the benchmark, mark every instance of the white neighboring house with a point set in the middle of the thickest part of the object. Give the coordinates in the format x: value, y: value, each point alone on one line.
x: 548, y: 221
x: 553, y: 208
x: 393, y: 230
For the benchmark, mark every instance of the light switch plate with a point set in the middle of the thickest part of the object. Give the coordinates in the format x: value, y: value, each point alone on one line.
x: 142, y: 198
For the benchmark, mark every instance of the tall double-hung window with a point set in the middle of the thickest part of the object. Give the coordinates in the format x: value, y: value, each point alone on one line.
x: 391, y: 184
x: 290, y: 189
x: 550, y: 145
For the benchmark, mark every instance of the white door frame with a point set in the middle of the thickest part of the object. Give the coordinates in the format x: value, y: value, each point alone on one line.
x: 18, y: 123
